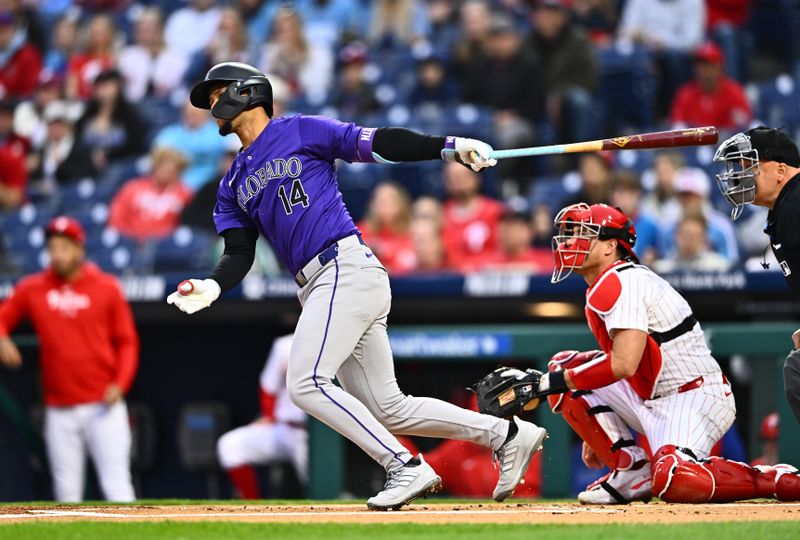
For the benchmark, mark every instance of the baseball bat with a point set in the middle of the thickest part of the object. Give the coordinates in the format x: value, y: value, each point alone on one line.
x: 659, y: 139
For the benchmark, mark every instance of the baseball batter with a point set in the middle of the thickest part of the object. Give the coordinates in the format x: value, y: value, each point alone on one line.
x: 655, y: 375
x: 89, y: 354
x: 279, y: 434
x: 283, y: 185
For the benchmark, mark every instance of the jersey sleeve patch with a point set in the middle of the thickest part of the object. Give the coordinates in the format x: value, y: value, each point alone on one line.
x: 605, y: 294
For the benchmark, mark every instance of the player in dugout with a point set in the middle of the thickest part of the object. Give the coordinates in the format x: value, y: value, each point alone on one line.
x: 89, y: 352
x: 762, y: 167
x: 654, y: 375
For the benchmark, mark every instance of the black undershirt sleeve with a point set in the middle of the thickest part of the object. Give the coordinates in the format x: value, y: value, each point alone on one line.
x: 400, y: 144
x: 236, y: 259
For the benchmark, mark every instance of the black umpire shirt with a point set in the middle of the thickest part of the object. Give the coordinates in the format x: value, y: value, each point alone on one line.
x: 783, y: 228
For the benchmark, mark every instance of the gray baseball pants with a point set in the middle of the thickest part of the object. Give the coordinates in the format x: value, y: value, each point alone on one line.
x: 341, y: 333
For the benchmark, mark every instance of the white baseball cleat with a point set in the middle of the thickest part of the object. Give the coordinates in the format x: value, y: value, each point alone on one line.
x: 514, y: 457
x: 620, y: 487
x: 415, y: 479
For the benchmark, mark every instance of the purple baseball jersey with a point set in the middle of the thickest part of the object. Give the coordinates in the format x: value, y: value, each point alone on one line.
x: 284, y: 184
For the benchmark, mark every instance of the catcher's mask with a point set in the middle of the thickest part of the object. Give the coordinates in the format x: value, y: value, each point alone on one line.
x: 738, y: 181
x: 578, y: 226
x: 246, y: 87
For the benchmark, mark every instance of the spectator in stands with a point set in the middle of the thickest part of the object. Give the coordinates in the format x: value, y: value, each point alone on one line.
x: 330, y: 22
x: 443, y: 16
x: 541, y: 220
x: 150, y: 68
x: 594, y: 179
x: 9, y: 139
x: 712, y: 98
x: 63, y: 46
x: 28, y: 17
x: 470, y: 48
x: 62, y: 158
x: 196, y: 135
x: 97, y: 56
x: 306, y: 67
x: 726, y: 19
x: 598, y: 18
x: 470, y: 223
x: 150, y: 207
x: 692, y: 252
x: 670, y: 31
x: 433, y: 87
x: 191, y: 28
x: 693, y: 188
x: 397, y: 24
x: 29, y: 115
x: 626, y: 194
x: 768, y: 433
x: 515, y: 238
x: 89, y: 352
x: 386, y: 227
x: 257, y: 15
x: 568, y: 64
x: 661, y: 201
x: 111, y: 126
x: 354, y: 96
x: 508, y: 79
x: 13, y: 179
x: 429, y: 250
x: 20, y: 61
x: 229, y: 44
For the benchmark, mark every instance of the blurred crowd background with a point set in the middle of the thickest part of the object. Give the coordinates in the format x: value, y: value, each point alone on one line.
x: 95, y: 121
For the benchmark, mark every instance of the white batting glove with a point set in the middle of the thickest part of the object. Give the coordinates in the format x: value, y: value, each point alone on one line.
x: 194, y: 294
x: 470, y: 152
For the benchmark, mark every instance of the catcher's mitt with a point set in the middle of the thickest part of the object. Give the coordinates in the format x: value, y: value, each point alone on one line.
x: 507, y: 391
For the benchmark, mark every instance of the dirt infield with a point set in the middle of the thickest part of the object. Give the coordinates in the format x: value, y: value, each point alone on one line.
x: 423, y: 512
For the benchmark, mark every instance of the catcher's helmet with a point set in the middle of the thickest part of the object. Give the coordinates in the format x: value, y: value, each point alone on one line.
x: 247, y: 88
x: 578, y: 225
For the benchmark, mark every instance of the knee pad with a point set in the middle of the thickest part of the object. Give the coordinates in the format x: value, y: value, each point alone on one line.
x: 616, y: 453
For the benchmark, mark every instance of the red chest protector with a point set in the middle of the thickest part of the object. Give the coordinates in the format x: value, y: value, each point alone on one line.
x: 601, y: 298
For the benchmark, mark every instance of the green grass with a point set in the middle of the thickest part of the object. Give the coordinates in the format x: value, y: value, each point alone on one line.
x: 246, y: 531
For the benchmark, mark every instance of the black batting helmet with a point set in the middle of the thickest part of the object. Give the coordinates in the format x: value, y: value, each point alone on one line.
x: 247, y: 88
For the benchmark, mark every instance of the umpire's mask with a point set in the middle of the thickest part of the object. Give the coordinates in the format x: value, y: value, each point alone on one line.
x: 738, y: 181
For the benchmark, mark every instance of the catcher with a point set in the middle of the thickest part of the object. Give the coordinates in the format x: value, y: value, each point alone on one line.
x: 654, y: 375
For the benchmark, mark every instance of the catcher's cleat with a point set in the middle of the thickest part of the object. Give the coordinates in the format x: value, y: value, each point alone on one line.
x: 620, y: 486
x: 415, y: 479
x: 515, y: 455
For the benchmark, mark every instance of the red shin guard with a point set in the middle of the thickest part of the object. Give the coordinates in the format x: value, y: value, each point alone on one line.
x: 581, y: 417
x: 245, y: 480
x: 679, y: 477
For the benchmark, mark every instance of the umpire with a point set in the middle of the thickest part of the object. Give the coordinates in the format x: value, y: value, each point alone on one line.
x: 762, y: 167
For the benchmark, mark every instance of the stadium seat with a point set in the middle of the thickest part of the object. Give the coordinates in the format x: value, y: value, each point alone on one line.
x: 185, y: 249
x: 627, y: 89
x: 778, y: 103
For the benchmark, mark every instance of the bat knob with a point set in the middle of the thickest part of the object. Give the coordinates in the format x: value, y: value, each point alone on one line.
x: 185, y: 288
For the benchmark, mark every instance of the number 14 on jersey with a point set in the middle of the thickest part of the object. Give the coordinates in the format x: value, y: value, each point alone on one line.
x: 296, y: 196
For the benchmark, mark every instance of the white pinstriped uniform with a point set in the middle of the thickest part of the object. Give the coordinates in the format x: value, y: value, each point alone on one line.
x: 260, y: 442
x: 694, y: 419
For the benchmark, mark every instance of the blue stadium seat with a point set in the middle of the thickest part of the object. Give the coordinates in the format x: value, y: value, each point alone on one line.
x: 548, y: 190
x: 778, y: 103
x: 185, y: 249
x: 627, y: 89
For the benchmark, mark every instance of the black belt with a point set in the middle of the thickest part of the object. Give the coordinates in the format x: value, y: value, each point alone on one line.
x: 685, y: 326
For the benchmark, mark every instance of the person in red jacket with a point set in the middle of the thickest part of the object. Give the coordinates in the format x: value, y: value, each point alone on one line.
x: 20, y: 62
x: 89, y: 352
x: 712, y: 98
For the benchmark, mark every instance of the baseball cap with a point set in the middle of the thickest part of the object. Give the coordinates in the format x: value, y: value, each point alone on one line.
x: 56, y: 110
x: 774, y: 145
x: 692, y: 180
x: 709, y: 52
x: 66, y: 226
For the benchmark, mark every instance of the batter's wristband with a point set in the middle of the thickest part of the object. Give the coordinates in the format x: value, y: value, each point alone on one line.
x: 364, y: 152
x: 449, y: 151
